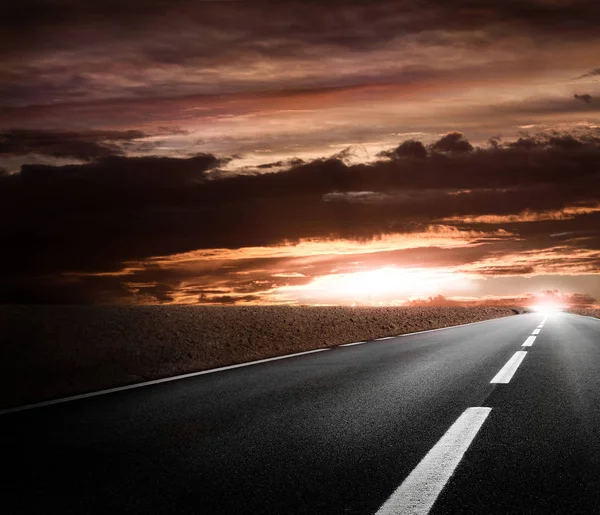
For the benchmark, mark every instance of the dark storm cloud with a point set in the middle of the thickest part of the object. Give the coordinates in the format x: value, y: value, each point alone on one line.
x: 452, y: 142
x: 97, y: 216
x: 84, y: 145
x: 277, y: 164
x: 87, y: 216
x: 219, y: 68
x: 584, y: 98
x: 327, y: 21
x: 409, y: 148
x: 557, y: 140
x: 129, y: 37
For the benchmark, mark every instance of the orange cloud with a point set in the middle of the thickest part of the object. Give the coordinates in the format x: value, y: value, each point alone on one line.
x: 441, y: 236
x: 566, y: 213
x: 563, y: 259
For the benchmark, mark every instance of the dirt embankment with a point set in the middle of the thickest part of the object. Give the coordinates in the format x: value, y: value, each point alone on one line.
x: 48, y: 352
x: 590, y: 312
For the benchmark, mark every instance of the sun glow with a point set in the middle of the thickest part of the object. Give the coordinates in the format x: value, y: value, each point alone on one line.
x: 547, y: 307
x: 384, y: 285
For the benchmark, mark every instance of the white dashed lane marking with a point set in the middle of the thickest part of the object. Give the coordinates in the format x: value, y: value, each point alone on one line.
x: 508, y: 370
x: 419, y: 491
x: 529, y: 342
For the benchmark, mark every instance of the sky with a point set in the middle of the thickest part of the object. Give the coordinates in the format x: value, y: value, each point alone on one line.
x: 316, y: 152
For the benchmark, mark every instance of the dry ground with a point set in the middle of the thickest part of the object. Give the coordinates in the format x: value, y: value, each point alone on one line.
x: 54, y: 351
x: 590, y: 312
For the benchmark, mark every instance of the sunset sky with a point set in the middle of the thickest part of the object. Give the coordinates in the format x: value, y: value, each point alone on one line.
x: 314, y: 152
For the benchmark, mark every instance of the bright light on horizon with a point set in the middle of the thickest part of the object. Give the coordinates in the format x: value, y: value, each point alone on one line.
x: 547, y: 307
x: 379, y: 285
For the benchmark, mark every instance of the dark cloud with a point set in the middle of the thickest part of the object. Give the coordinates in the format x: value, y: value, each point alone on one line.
x: 133, y: 63
x: 333, y: 21
x: 592, y: 73
x: 128, y: 36
x: 452, y: 142
x: 116, y: 176
x: 96, y: 217
x: 60, y: 290
x: 86, y: 216
x: 566, y: 142
x: 539, y: 109
x: 83, y: 145
x: 278, y: 164
x: 525, y: 143
x: 409, y: 148
x: 509, y: 270
x: 228, y: 299
x: 584, y: 98
x: 556, y: 139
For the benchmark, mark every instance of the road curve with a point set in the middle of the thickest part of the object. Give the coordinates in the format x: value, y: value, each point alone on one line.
x: 482, y: 418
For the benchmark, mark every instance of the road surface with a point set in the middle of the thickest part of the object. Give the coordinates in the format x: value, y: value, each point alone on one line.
x: 460, y: 420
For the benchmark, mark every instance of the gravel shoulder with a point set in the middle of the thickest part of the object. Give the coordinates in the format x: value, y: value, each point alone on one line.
x: 54, y: 351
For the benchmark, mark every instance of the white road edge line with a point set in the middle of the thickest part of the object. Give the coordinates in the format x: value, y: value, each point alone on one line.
x: 202, y: 372
x: 508, y: 370
x: 386, y: 338
x: 155, y: 381
x: 529, y: 341
x: 419, y: 491
x: 536, y: 331
x: 350, y: 344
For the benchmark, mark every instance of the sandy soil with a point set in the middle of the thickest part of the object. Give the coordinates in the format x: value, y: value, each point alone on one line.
x: 54, y: 351
x: 590, y: 312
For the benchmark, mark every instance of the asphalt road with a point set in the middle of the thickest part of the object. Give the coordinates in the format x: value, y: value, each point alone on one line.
x: 335, y: 432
